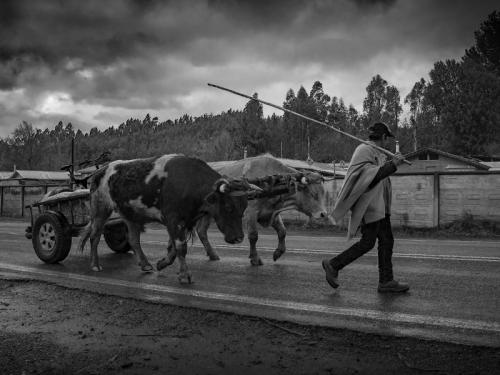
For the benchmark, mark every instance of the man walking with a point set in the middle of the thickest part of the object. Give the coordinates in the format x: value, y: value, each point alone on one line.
x: 366, y: 192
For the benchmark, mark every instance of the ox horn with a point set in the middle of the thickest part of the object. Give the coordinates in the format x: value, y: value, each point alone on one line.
x: 223, y: 188
x: 223, y: 185
x: 254, y: 187
x: 245, y: 188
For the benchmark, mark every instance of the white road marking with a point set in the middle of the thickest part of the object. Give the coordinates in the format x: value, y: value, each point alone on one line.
x: 342, y: 238
x: 417, y: 240
x: 471, y: 258
x: 375, y: 315
x: 330, y: 252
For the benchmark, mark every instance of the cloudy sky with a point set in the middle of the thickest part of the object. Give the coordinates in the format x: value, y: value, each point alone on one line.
x: 98, y: 63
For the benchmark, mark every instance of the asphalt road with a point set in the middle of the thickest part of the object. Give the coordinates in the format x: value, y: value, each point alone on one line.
x: 454, y: 294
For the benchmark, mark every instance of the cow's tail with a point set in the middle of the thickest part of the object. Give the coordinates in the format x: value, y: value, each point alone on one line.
x: 84, y: 236
x: 191, y: 235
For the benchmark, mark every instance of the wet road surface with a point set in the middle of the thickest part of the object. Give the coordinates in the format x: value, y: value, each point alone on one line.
x: 454, y: 284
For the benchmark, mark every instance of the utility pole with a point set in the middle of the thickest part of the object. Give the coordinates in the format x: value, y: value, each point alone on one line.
x: 309, y: 159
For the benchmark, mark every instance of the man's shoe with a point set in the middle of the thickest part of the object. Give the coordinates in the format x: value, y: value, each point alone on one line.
x: 393, y: 286
x: 331, y: 274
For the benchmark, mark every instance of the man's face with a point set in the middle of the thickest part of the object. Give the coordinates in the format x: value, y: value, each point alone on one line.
x: 384, y: 140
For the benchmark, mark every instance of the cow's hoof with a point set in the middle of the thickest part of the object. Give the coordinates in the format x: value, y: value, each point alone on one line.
x: 96, y: 268
x: 148, y: 268
x: 213, y: 257
x: 256, y: 262
x: 277, y: 254
x: 162, y: 263
x: 185, y: 279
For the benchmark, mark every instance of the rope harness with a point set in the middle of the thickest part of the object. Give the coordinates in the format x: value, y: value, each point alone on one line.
x: 278, y: 185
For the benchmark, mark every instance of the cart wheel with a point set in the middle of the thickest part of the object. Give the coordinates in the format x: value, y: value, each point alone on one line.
x: 51, y: 237
x: 116, y: 238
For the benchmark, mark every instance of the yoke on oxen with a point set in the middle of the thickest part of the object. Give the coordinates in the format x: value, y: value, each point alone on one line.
x: 302, y: 191
x: 278, y: 184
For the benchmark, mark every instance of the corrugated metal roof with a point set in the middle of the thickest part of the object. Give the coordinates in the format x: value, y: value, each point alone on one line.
x: 494, y: 165
x: 477, y: 164
x: 39, y: 175
x: 322, y: 168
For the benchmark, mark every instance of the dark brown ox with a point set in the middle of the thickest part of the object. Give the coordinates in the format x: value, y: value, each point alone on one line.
x: 174, y: 190
x: 307, y: 195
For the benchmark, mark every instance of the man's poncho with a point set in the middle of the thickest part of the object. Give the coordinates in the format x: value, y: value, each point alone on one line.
x: 364, y: 203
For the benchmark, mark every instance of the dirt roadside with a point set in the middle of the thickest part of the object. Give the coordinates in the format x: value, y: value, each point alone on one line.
x: 48, y: 329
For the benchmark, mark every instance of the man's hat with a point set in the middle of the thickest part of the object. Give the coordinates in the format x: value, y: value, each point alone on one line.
x: 379, y: 128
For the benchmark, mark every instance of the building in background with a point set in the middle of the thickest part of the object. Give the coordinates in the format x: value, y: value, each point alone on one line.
x: 432, y: 160
x: 30, y: 178
x: 439, y: 188
x: 24, y: 187
x: 4, y: 175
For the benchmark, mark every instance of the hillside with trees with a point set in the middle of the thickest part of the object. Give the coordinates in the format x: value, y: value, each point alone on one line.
x: 457, y: 109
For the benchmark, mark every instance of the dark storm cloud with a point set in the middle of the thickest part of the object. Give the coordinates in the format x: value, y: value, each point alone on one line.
x: 152, y: 54
x: 48, y: 33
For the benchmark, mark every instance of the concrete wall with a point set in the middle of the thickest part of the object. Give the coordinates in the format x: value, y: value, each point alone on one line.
x: 478, y: 195
x: 430, y: 200
x: 413, y: 202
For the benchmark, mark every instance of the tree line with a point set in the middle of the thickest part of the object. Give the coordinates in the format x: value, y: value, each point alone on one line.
x: 456, y: 110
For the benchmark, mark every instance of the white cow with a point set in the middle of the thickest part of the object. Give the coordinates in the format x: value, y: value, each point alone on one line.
x: 305, y: 193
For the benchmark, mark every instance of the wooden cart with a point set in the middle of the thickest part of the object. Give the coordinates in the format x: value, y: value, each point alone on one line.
x: 63, y: 214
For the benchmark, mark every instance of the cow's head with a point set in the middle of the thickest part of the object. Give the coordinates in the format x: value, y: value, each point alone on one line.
x: 310, y: 194
x: 226, y: 204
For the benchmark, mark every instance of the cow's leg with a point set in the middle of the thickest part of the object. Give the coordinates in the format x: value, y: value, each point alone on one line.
x: 134, y: 238
x: 97, y: 227
x: 281, y: 231
x: 169, y: 259
x: 181, y: 249
x: 201, y: 230
x: 253, y: 236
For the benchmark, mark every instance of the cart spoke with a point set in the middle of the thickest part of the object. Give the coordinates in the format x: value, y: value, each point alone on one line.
x: 47, y: 236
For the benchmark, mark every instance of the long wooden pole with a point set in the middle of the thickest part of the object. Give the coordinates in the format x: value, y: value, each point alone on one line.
x: 387, y: 152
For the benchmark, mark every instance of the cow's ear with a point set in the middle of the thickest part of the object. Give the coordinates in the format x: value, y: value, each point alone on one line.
x: 211, y: 198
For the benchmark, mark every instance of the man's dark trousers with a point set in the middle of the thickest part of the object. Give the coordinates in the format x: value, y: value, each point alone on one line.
x: 370, y: 232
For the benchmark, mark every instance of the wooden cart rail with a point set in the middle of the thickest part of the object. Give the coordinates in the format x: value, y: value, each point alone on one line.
x: 63, y: 196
